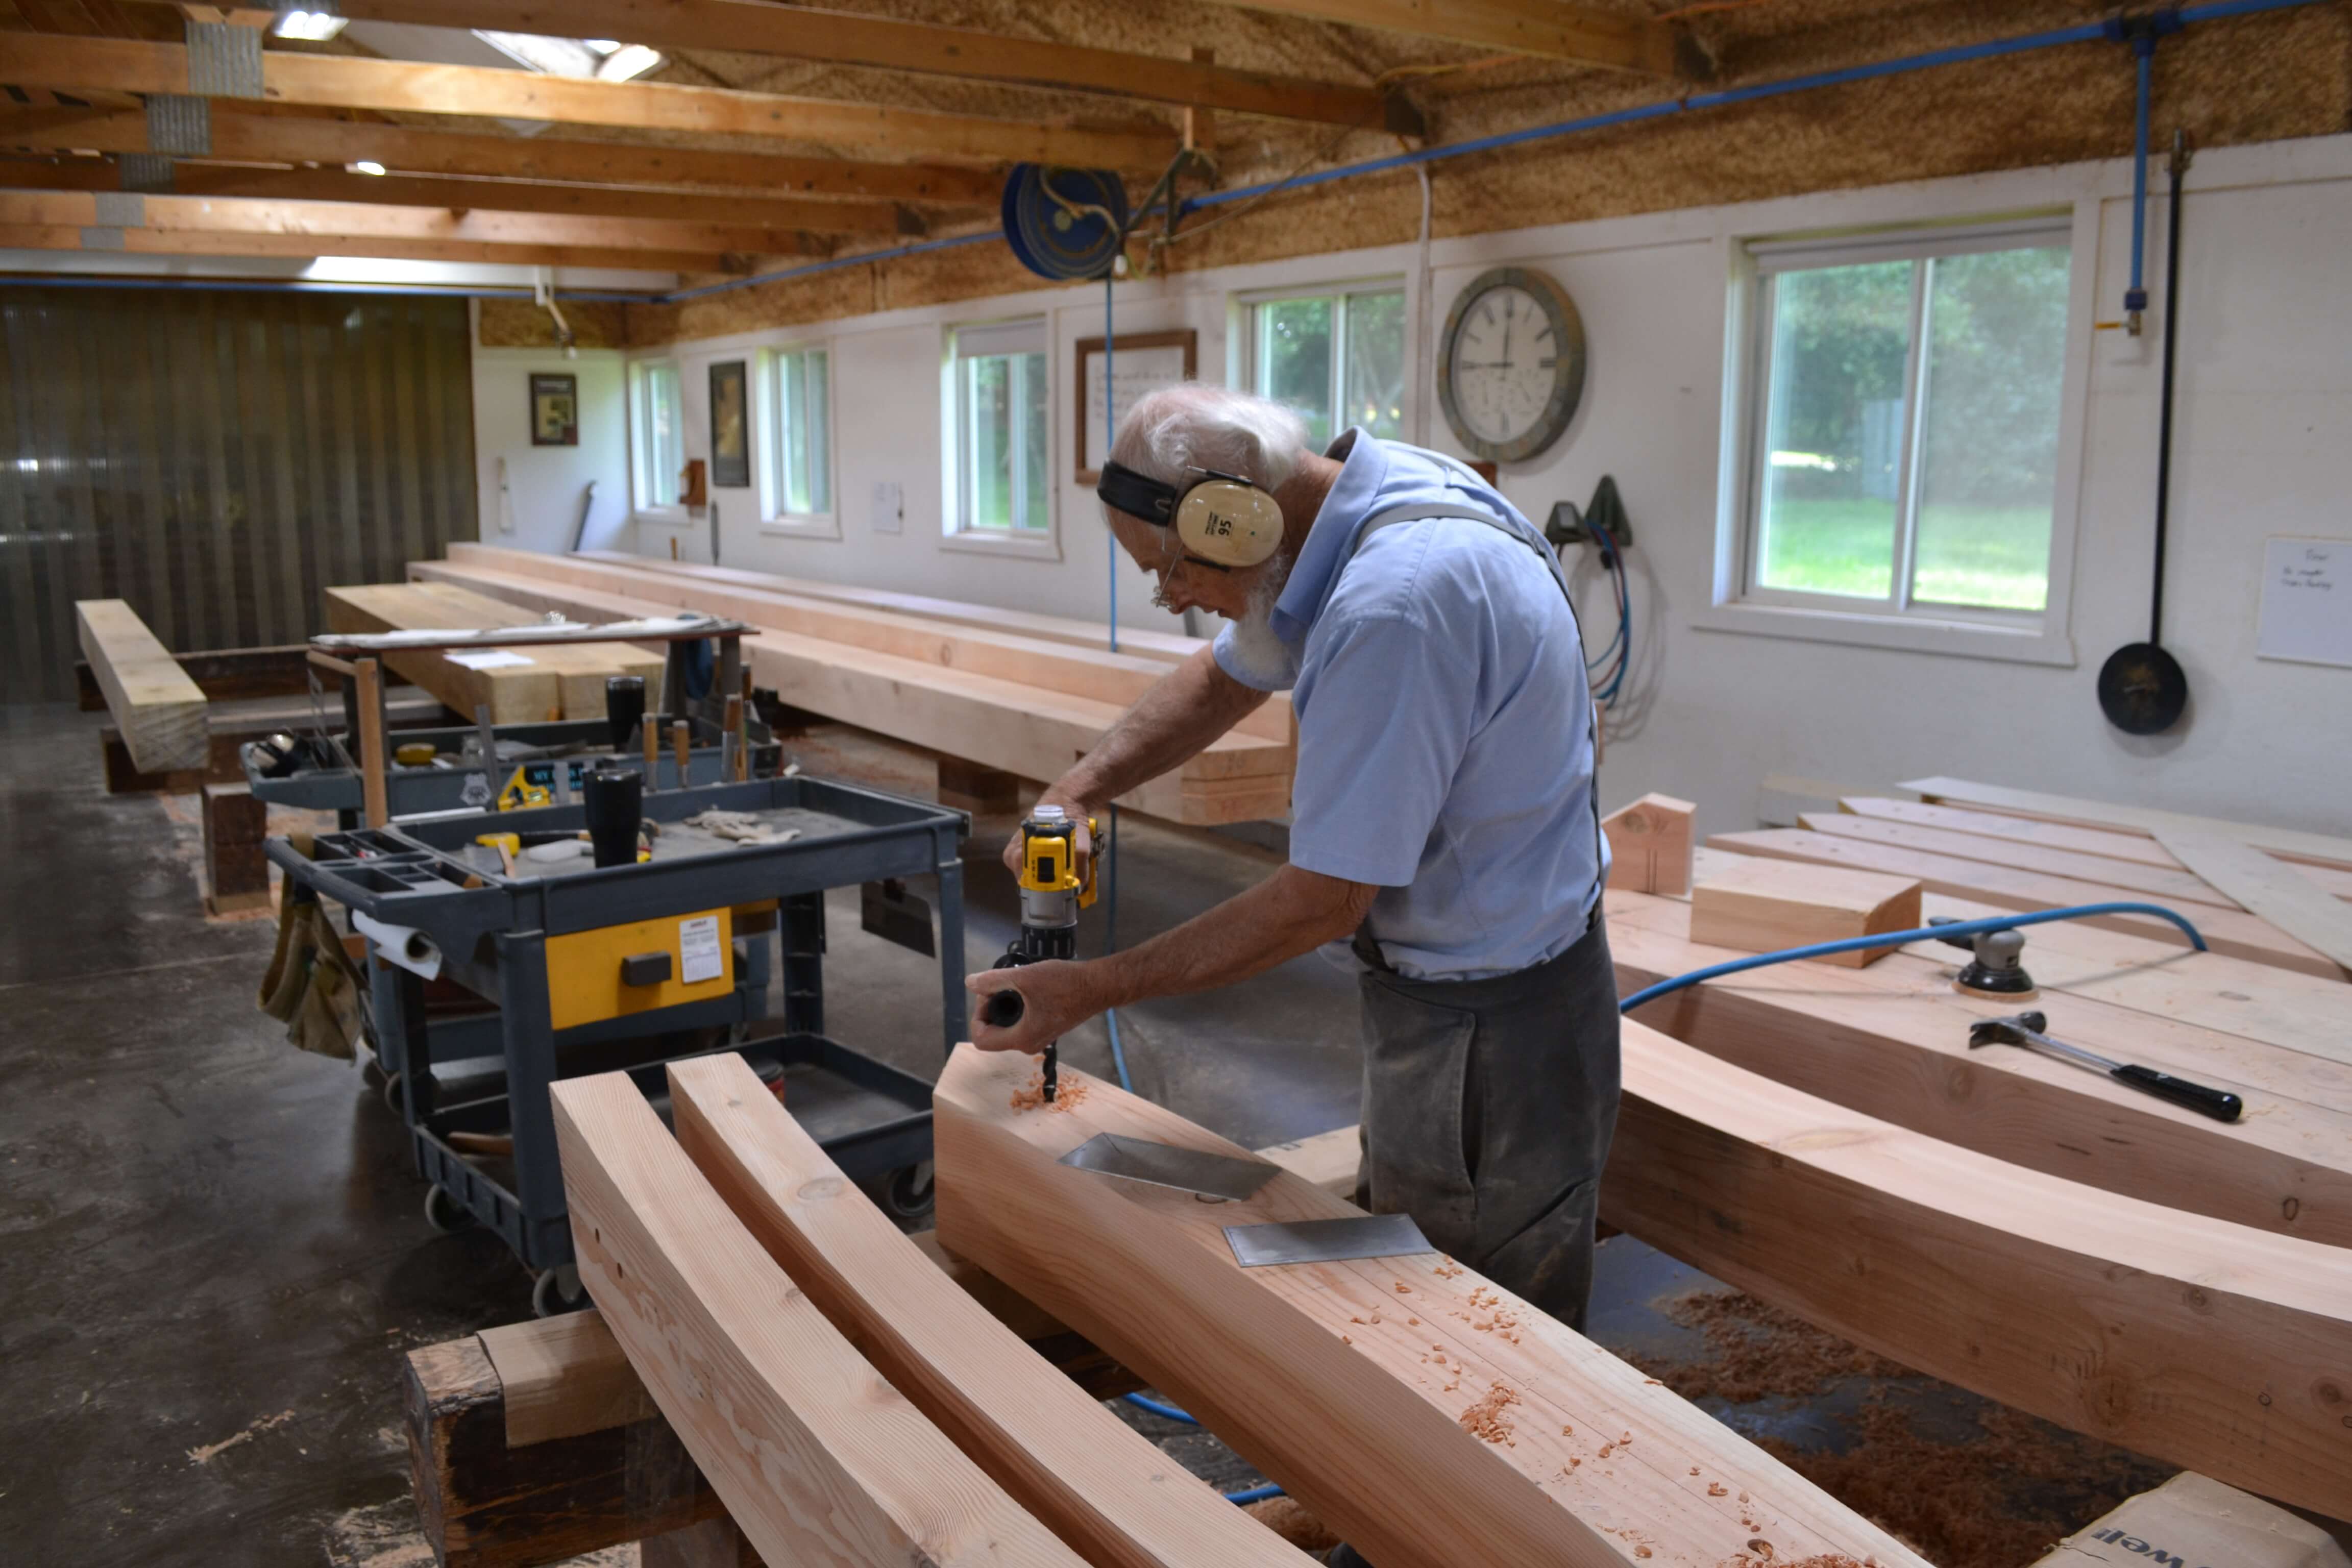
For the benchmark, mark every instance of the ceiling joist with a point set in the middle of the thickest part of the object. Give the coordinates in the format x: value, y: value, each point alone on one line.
x: 339, y: 81
x: 196, y: 179
x: 1545, y: 28
x: 153, y: 242
x: 792, y: 32
x: 300, y: 139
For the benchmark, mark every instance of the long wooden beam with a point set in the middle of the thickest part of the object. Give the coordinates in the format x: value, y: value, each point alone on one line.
x: 770, y: 218
x: 2163, y: 886
x: 307, y: 138
x: 1523, y: 26
x: 1370, y: 1389
x: 162, y: 714
x: 819, y: 1460
x: 2291, y: 843
x: 351, y: 82
x: 808, y: 34
x: 1892, y: 1041
x: 240, y: 215
x: 1089, y: 1476
x: 2212, y: 1346
x: 147, y: 242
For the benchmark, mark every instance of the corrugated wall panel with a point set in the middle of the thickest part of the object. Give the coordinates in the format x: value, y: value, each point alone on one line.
x: 216, y: 458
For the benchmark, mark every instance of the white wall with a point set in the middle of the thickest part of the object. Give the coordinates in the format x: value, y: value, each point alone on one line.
x: 2264, y: 446
x: 537, y: 508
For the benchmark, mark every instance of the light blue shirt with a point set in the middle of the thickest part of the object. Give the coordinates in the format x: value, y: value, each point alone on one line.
x: 1445, y: 724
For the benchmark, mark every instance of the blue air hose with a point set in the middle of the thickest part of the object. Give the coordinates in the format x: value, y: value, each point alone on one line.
x: 1164, y: 1411
x: 1895, y: 937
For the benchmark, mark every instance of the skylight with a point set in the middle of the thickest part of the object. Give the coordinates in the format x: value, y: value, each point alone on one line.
x: 601, y: 60
x: 311, y: 27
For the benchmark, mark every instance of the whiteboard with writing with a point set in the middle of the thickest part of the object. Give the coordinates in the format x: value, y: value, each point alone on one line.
x: 1135, y: 374
x: 2306, y: 612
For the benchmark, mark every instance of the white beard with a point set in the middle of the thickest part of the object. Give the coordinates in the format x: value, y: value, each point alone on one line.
x: 1264, y: 656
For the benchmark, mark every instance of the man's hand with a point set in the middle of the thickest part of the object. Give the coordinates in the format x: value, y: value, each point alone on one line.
x: 1057, y: 996
x: 1084, y: 846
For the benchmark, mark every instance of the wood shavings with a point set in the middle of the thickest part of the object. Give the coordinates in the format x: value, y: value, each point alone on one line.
x: 1448, y: 1268
x: 1485, y: 1420
x: 1346, y: 1341
x: 1070, y: 1093
x: 1714, y: 1488
x: 1402, y: 1288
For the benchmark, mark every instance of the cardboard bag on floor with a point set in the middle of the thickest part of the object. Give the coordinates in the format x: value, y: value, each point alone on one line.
x: 2192, y: 1521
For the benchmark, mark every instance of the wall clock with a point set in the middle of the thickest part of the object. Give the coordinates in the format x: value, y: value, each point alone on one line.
x: 1510, y: 363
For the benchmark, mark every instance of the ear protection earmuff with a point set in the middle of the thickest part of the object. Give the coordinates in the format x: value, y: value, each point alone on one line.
x: 1220, y: 520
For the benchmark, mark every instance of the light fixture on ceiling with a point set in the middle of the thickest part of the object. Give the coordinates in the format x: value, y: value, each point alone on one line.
x: 311, y: 27
x: 365, y: 166
x: 602, y: 59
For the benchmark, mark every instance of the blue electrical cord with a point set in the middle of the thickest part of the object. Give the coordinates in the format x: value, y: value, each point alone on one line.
x: 1895, y: 937
x: 1256, y: 1494
x: 1166, y: 1412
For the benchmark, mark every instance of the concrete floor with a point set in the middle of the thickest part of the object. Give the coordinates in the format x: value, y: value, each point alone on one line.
x: 211, y: 1245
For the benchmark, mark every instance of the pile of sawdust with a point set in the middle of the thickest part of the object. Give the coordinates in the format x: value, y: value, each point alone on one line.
x: 1755, y: 1351
x: 1485, y: 1420
x: 1285, y: 1518
x: 1069, y: 1089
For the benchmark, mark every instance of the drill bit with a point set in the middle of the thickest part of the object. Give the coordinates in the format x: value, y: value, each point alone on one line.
x: 1052, y: 1070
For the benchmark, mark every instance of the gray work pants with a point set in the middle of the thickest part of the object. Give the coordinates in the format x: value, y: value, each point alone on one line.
x: 1488, y: 1105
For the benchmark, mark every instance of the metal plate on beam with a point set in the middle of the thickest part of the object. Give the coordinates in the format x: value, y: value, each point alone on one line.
x: 1186, y: 1169
x: 1326, y: 1240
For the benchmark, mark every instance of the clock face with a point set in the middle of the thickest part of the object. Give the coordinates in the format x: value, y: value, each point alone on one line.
x: 1513, y: 364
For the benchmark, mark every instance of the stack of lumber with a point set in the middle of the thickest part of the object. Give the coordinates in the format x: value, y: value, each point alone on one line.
x: 1019, y: 693
x: 2281, y: 898
x: 523, y: 685
x: 157, y: 707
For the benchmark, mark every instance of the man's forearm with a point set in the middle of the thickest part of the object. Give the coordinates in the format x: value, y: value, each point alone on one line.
x: 1189, y: 707
x: 1291, y: 912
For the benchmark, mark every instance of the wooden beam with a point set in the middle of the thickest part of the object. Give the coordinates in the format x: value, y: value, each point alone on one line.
x: 1327, y: 1378
x: 818, y: 1459
x: 2211, y: 1346
x: 308, y: 138
x: 148, y: 242
x: 1764, y: 906
x: 1892, y: 1041
x: 766, y: 222
x: 402, y: 85
x: 160, y: 712
x: 1522, y: 26
x: 1090, y: 1478
x: 2290, y: 843
x: 2178, y: 886
x: 2232, y: 931
x: 555, y: 681
x: 807, y: 34
x: 238, y: 214
x: 2266, y: 887
x: 1650, y: 845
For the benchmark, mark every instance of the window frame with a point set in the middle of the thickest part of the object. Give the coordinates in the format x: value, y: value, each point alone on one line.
x: 768, y: 415
x: 672, y: 514
x: 1737, y: 603
x: 1244, y: 322
x: 955, y: 532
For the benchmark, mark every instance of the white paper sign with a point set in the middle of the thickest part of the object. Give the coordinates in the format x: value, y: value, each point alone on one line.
x: 698, y: 949
x: 492, y: 658
x: 1135, y: 374
x: 2306, y: 601
x: 888, y: 514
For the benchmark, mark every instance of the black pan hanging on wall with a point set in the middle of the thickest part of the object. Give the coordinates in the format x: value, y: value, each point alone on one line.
x: 2142, y: 688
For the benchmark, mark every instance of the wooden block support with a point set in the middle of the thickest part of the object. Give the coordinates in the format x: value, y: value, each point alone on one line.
x: 1650, y: 845
x: 1762, y: 906
x: 158, y: 710
x: 968, y: 786
x: 1321, y: 1378
x: 236, y: 871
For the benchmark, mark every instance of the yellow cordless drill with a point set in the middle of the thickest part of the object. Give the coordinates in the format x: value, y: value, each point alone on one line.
x: 1053, y: 891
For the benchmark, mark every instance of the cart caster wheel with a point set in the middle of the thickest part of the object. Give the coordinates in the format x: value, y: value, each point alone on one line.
x: 906, y: 1194
x: 396, y: 1097
x: 443, y: 1212
x: 557, y: 1292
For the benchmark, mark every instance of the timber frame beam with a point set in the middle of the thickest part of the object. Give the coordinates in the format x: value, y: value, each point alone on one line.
x: 148, y: 242
x: 1546, y: 27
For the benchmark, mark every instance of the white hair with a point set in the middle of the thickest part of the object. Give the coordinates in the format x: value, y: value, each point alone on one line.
x: 1191, y: 426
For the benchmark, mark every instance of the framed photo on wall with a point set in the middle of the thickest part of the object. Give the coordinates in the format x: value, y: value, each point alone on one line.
x: 555, y: 410
x: 1142, y: 363
x: 730, y: 426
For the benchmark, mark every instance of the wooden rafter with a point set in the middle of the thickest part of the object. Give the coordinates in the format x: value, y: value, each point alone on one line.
x: 341, y: 81
x: 204, y: 215
x: 841, y: 39
x: 291, y: 138
x: 192, y: 179
x: 1522, y: 26
x: 148, y: 242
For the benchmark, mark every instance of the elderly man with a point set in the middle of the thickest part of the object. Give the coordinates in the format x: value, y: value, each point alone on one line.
x: 1443, y: 816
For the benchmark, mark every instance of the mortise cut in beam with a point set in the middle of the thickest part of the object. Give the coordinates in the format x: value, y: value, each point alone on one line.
x: 1360, y: 1419
x: 161, y: 713
x: 1089, y: 1476
x: 819, y: 1460
x: 290, y: 136
x: 351, y: 82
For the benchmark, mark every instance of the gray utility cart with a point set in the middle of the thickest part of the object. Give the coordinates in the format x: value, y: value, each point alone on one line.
x: 557, y: 968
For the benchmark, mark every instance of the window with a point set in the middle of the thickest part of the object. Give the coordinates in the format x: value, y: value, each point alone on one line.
x: 1338, y: 358
x: 659, y: 421
x: 800, y: 434
x: 1904, y: 426
x: 1003, y: 468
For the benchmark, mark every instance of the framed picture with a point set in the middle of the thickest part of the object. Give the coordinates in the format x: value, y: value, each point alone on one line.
x: 1142, y: 363
x: 555, y: 411
x: 730, y: 426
